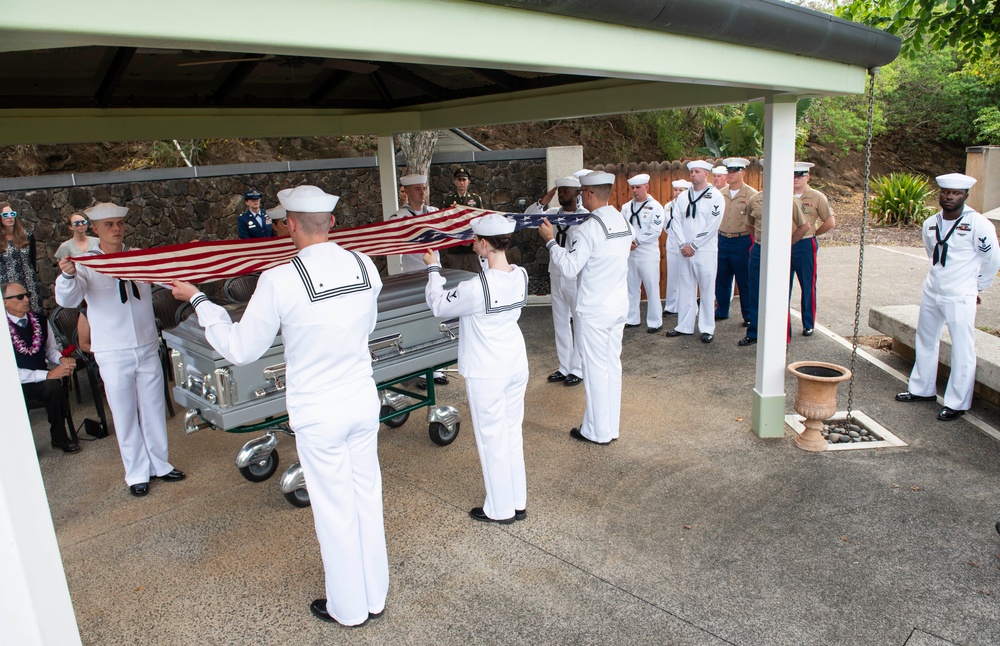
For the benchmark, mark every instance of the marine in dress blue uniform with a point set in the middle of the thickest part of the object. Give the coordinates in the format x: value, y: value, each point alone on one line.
x: 734, y: 242
x: 816, y: 208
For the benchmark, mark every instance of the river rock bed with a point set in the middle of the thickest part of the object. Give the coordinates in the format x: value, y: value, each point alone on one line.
x: 842, y: 432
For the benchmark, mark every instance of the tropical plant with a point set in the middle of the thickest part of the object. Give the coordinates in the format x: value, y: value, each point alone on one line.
x: 988, y: 126
x: 743, y: 133
x: 900, y: 199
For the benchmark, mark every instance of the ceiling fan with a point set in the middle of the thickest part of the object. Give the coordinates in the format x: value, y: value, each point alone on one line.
x: 357, y: 67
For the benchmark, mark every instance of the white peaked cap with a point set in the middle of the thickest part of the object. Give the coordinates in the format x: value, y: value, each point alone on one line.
x: 699, y: 163
x: 412, y: 180
x: 493, y: 224
x: 597, y: 178
x: 105, y: 211
x: 567, y: 182
x: 307, y: 199
x: 639, y: 180
x: 277, y: 212
x: 580, y: 173
x: 681, y: 183
x: 956, y: 181
x: 803, y: 167
x: 735, y: 162
x: 720, y: 170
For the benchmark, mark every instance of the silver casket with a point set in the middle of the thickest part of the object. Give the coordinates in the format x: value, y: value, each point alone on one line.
x: 407, y: 339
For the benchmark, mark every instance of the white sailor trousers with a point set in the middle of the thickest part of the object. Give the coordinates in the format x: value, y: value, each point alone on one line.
x: 600, y: 341
x: 338, y: 451
x: 697, y: 274
x: 959, y: 312
x: 673, y: 268
x: 133, y: 382
x: 644, y: 271
x: 563, y: 299
x: 497, y: 409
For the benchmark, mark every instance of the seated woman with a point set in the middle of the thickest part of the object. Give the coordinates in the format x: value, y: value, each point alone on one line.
x: 492, y: 358
x: 80, y: 243
x: 17, y: 255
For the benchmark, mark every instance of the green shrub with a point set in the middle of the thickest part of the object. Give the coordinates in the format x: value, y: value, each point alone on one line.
x: 988, y: 126
x: 900, y: 198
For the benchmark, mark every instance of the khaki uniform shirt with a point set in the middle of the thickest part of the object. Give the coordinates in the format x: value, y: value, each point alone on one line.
x: 755, y: 214
x: 816, y: 207
x: 736, y: 209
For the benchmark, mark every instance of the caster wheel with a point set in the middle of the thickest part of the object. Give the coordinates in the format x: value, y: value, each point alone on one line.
x: 392, y: 422
x: 298, y: 498
x: 261, y: 471
x: 440, y: 434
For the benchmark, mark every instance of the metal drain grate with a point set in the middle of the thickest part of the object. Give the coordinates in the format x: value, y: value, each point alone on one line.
x: 883, y: 437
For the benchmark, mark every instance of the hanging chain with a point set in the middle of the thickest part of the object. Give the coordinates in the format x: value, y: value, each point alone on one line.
x: 861, y: 252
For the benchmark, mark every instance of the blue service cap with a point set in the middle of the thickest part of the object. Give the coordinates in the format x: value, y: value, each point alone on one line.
x: 252, y: 194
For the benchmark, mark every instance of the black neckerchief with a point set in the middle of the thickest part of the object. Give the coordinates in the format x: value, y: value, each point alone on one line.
x: 692, y: 208
x: 943, y: 244
x: 635, y: 214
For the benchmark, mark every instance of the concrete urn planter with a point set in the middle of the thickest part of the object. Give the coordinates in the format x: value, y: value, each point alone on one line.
x: 816, y: 399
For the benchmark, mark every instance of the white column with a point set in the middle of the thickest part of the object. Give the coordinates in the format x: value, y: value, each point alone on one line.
x: 386, y: 161
x: 35, y: 607
x: 776, y: 233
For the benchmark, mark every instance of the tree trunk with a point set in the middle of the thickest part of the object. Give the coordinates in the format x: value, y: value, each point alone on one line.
x: 417, y: 147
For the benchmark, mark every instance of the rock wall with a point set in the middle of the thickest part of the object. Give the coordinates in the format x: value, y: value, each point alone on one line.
x: 183, y: 210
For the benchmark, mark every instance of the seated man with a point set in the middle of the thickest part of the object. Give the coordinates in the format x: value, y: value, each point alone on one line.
x: 33, y: 344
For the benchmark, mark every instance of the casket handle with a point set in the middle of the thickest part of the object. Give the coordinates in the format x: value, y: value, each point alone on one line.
x: 383, y: 342
x: 276, y: 375
x: 449, y: 329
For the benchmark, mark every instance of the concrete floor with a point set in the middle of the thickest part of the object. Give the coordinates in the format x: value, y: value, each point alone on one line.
x: 689, y: 530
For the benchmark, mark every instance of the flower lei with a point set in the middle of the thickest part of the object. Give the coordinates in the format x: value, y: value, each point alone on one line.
x: 36, y: 336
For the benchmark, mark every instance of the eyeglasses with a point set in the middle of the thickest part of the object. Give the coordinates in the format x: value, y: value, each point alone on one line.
x: 7, y: 216
x: 79, y: 223
x: 19, y: 297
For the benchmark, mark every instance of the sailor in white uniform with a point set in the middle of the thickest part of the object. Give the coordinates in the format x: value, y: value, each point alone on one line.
x: 598, y: 257
x: 671, y: 248
x: 563, y: 290
x: 415, y: 188
x: 962, y: 247
x: 493, y: 360
x: 697, y: 216
x: 325, y: 303
x: 645, y: 215
x: 125, y: 344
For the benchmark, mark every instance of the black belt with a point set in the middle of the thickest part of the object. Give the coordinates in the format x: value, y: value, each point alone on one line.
x: 733, y: 235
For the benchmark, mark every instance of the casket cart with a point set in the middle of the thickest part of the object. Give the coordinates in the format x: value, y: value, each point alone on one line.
x: 407, y: 346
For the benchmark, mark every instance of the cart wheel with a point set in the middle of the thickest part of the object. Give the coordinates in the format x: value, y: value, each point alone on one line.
x: 440, y: 434
x: 299, y: 497
x: 392, y: 422
x: 261, y: 471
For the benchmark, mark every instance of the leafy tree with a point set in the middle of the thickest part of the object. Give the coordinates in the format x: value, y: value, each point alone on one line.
x: 970, y: 26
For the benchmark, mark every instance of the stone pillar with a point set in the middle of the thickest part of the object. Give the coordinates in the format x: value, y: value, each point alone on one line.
x: 389, y: 186
x: 35, y: 607
x: 560, y: 161
x: 776, y: 255
x: 983, y: 163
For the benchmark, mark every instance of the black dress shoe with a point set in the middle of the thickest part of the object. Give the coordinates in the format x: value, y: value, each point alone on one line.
x: 654, y: 330
x: 706, y: 338
x: 721, y: 318
x: 997, y: 526
x: 675, y: 333
x: 577, y: 435
x: 173, y: 476
x: 421, y: 385
x: 67, y: 447
x: 441, y: 381
x: 745, y: 341
x: 521, y: 514
x: 140, y: 489
x: 631, y: 325
x: 807, y: 332
x: 556, y: 376
x: 910, y: 397
x: 746, y: 322
x: 318, y: 608
x: 949, y: 414
x: 572, y: 380
x: 668, y: 313
x: 477, y: 513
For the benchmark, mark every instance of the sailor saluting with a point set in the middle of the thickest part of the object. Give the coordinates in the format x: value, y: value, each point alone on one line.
x: 493, y: 360
x: 325, y: 303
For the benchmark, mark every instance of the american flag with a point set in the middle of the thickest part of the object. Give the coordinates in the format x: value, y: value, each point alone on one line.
x: 200, y: 262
